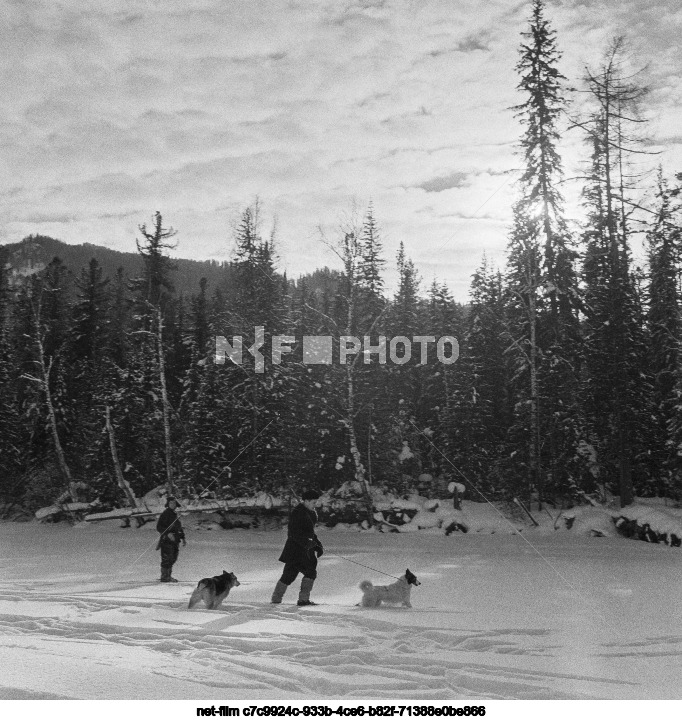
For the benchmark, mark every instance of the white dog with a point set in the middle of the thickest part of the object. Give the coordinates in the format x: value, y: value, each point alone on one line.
x: 398, y: 592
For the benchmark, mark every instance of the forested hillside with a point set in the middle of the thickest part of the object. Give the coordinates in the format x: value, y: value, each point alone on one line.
x: 35, y: 252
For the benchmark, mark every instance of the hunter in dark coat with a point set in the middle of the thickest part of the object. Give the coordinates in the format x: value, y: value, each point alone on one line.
x: 301, y: 551
x: 172, y: 533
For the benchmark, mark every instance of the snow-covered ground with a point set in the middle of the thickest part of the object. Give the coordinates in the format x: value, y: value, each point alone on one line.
x: 545, y: 615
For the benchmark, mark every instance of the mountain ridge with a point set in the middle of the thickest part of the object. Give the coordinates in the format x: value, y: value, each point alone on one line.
x: 33, y: 253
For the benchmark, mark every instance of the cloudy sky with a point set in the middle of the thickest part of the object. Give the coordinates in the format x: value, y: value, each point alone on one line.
x: 112, y: 110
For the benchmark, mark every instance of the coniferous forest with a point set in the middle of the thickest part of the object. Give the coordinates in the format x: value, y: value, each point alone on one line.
x: 568, y: 382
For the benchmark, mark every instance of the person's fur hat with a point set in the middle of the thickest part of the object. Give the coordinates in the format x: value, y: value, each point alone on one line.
x: 310, y: 495
x: 171, y: 498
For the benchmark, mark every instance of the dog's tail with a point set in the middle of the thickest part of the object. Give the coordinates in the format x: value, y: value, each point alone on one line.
x: 197, y: 593
x: 365, y: 586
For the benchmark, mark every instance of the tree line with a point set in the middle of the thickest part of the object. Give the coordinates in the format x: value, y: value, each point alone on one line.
x: 568, y: 383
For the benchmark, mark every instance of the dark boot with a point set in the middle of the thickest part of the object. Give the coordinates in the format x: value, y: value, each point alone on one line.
x: 304, y: 593
x: 165, y: 574
x: 278, y: 593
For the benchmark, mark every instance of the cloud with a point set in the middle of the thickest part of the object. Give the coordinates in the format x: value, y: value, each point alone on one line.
x: 436, y: 185
x: 40, y: 218
x: 472, y: 43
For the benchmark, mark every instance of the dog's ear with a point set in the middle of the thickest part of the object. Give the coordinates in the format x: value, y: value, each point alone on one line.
x: 225, y: 573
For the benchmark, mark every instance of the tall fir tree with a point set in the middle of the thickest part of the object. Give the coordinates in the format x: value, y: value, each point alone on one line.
x: 119, y: 320
x: 90, y: 314
x: 665, y: 357
x: 155, y: 285
x: 542, y: 282
x: 370, y: 277
x: 404, y: 310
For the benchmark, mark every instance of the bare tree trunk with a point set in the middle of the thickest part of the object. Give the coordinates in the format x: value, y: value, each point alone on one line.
x: 123, y: 484
x: 165, y: 406
x: 618, y: 278
x: 369, y: 446
x: 531, y: 357
x: 355, y: 452
x: 350, y: 260
x: 534, y: 396
x: 624, y: 465
x: 255, y: 398
x: 45, y: 370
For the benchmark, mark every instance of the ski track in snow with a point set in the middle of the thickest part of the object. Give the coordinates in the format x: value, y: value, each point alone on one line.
x: 287, y: 651
x: 116, y: 638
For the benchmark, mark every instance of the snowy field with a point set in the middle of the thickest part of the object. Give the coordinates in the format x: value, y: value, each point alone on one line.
x: 555, y: 616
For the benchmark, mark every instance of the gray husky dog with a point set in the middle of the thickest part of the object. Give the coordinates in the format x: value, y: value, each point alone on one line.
x: 213, y: 591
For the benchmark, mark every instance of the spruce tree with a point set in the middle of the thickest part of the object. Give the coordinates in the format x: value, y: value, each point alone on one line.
x: 370, y: 277
x: 541, y: 202
x: 542, y: 283
x: 442, y: 317
x: 258, y: 301
x: 404, y: 310
x: 155, y: 285
x: 664, y: 357
x: 201, y: 328
x: 119, y: 320
x: 89, y: 331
